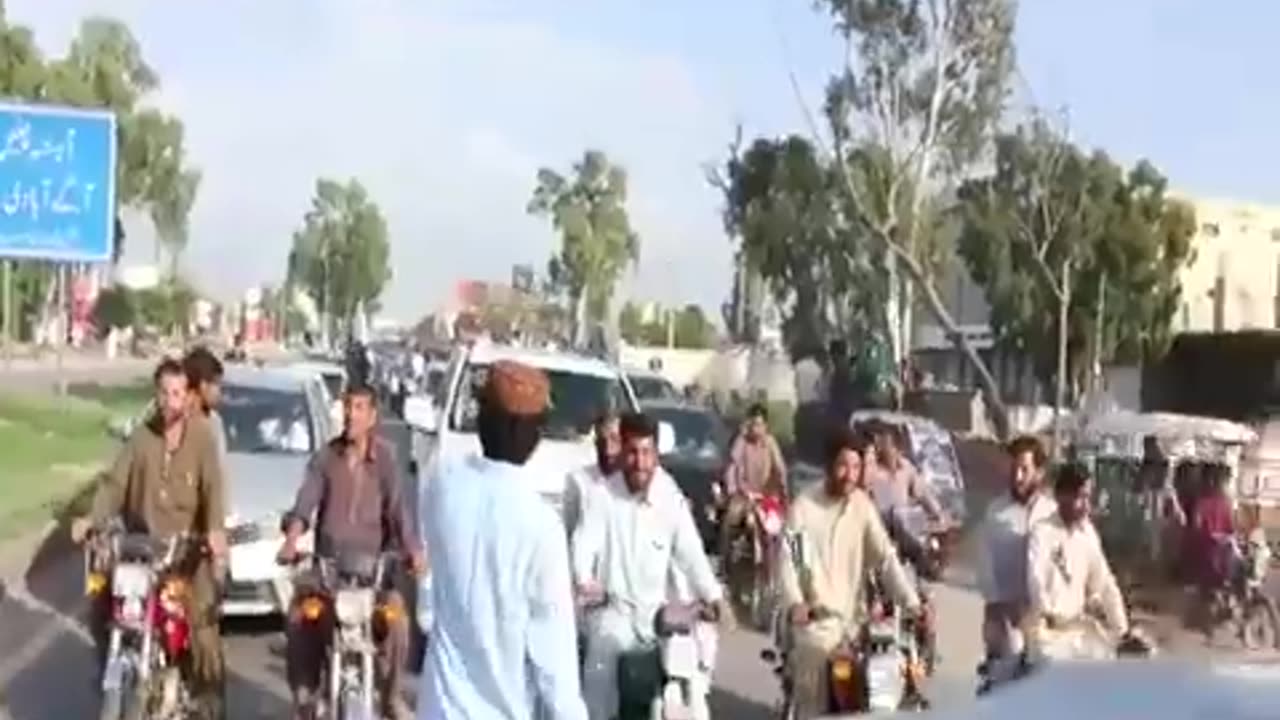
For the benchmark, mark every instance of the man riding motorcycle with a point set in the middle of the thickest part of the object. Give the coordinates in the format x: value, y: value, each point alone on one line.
x: 894, y: 482
x: 838, y: 523
x: 167, y: 480
x: 353, y: 487
x: 756, y: 469
x: 1067, y: 573
x: 635, y: 536
x: 1003, y: 538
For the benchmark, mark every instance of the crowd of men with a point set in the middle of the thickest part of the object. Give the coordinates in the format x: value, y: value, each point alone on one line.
x: 534, y: 610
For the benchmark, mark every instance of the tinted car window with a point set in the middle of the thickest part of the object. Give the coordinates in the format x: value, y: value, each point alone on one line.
x: 696, y: 432
x: 652, y: 388
x: 334, y: 383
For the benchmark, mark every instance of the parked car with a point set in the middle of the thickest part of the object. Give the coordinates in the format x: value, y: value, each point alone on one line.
x: 697, y: 460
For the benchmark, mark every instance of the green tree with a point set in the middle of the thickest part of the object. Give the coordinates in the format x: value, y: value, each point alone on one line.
x: 1049, y: 205
x: 115, y: 308
x: 597, y: 243
x: 167, y: 307
x: 911, y: 111
x: 171, y: 213
x: 692, y: 329
x: 631, y: 323
x: 341, y: 255
x: 102, y: 68
x: 784, y: 206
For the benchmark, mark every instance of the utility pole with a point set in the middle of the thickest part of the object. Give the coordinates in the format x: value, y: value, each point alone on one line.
x: 1060, y: 396
x: 1100, y: 317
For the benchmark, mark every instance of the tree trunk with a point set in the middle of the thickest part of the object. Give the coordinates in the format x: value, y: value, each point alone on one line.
x: 996, y: 409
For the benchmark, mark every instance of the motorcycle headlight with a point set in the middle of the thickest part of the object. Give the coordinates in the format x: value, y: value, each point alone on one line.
x: 842, y: 669
x: 353, y: 606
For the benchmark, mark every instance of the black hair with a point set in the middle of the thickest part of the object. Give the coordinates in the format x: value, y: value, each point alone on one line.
x: 506, y: 436
x: 604, y: 418
x: 167, y: 367
x: 758, y: 410
x: 1028, y: 444
x: 1071, y: 478
x: 637, y: 425
x: 363, y: 390
x: 202, y: 366
x: 843, y: 438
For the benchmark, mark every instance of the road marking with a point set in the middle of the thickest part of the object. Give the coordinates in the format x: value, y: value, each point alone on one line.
x: 57, y: 624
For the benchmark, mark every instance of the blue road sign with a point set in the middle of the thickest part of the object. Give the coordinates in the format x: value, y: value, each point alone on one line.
x: 57, y: 183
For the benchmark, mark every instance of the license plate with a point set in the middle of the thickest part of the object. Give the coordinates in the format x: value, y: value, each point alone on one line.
x: 130, y: 581
x: 131, y: 609
x: 353, y: 606
x: 884, y: 682
x: 680, y: 657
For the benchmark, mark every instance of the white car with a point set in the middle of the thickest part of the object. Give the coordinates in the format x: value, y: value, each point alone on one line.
x: 334, y: 377
x: 581, y: 389
x: 1168, y: 689
x: 275, y: 419
x: 650, y: 386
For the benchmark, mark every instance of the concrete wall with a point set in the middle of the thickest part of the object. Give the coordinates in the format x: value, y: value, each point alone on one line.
x: 744, y: 369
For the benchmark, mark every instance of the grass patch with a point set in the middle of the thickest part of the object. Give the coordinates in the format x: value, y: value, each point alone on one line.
x: 52, y: 448
x: 127, y: 400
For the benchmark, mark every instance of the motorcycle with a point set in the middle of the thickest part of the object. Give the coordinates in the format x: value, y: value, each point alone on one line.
x: 1242, y: 603
x: 149, y: 638
x: 751, y: 556
x: 876, y: 667
x: 340, y: 597
x: 670, y: 677
x: 924, y: 550
x: 1082, y: 639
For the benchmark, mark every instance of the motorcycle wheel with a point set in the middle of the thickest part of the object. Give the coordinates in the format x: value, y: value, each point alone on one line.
x: 349, y: 708
x: 1260, y: 625
x: 915, y: 702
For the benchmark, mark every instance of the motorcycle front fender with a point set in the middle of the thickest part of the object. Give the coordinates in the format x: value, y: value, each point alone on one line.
x: 113, y: 673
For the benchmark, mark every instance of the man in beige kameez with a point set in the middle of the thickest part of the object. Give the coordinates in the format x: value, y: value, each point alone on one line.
x: 1067, y: 571
x: 842, y: 538
x: 894, y: 482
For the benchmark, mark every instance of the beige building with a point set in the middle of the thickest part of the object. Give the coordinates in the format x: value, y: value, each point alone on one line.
x: 1234, y: 281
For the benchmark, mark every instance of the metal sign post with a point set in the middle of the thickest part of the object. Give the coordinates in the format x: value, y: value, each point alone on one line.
x: 57, y: 197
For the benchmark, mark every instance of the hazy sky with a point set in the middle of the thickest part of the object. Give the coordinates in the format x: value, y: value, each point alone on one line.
x: 446, y: 108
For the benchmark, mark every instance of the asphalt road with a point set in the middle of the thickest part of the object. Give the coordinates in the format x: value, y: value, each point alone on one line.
x: 46, y: 664
x: 46, y: 667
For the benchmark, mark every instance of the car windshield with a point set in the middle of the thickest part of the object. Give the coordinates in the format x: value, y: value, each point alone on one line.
x: 265, y: 420
x: 696, y: 432
x: 652, y: 388
x: 577, y: 399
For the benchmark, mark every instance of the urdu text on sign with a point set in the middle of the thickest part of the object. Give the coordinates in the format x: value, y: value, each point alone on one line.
x: 57, y: 183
